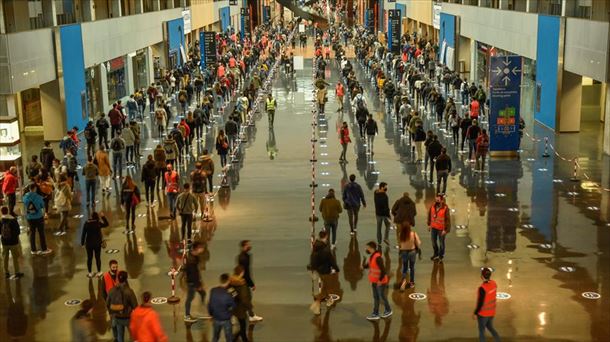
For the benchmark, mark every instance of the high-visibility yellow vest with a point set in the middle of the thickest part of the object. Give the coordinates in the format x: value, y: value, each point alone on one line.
x: 270, y: 104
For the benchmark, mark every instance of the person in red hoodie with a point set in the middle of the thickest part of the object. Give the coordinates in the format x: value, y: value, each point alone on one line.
x: 116, y: 118
x: 187, y: 132
x: 9, y: 188
x: 144, y: 325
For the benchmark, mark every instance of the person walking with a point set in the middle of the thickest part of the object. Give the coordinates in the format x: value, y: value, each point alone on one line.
x: 379, y: 281
x: 129, y: 140
x: 172, y: 150
x: 222, y: 147
x: 344, y: 140
x: 270, y: 104
x: 485, y: 311
x: 352, y: 197
x: 244, y: 259
x: 340, y: 93
x: 117, y: 144
x: 47, y: 155
x: 409, y: 247
x: 9, y: 232
x: 371, y: 129
x: 186, y: 203
x: 220, y: 306
x: 9, y: 188
x: 404, y: 212
x: 110, y: 278
x: 418, y: 138
x: 482, y: 149
x: 465, y: 124
x: 382, y: 212
x: 90, y: 136
x: 193, y: 279
x: 120, y: 304
x: 161, y: 120
x: 330, y: 207
x: 91, y: 172
x: 34, y: 214
x: 160, y: 165
x: 443, y: 168
x: 81, y: 326
x: 207, y: 166
x: 134, y: 127
x: 116, y: 118
x: 433, y: 151
x: 439, y: 224
x: 149, y: 176
x: 145, y: 325
x: 172, y: 186
x: 104, y: 169
x: 243, y: 301
x: 323, y: 264
x: 130, y: 198
x: 91, y: 239
x: 472, y: 134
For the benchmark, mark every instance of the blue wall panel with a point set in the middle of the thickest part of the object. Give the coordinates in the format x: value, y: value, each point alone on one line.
x: 446, y: 34
x: 547, y: 55
x: 175, y: 37
x: 225, y: 18
x: 403, y: 10
x: 73, y: 63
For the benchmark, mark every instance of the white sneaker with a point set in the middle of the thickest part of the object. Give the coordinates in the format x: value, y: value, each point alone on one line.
x: 255, y: 318
x: 46, y: 251
x: 190, y: 319
x: 99, y: 274
x: 89, y: 275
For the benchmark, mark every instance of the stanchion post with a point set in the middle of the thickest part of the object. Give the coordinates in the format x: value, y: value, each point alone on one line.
x: 173, y: 299
x: 574, y: 177
x: 546, y: 148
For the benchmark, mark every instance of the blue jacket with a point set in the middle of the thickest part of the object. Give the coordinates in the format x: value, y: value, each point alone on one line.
x: 353, y: 195
x: 34, y: 206
x: 221, y: 304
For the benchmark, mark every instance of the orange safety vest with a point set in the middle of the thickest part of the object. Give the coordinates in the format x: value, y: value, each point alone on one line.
x: 489, y: 303
x: 375, y: 271
x: 109, y: 283
x: 437, y: 219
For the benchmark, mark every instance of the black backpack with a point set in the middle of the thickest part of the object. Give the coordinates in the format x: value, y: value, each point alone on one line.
x: 5, y: 230
x: 198, y: 182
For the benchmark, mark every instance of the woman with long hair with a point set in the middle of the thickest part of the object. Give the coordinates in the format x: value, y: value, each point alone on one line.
x: 344, y: 139
x: 222, y: 147
x: 130, y: 197
x: 408, y: 244
x: 91, y: 239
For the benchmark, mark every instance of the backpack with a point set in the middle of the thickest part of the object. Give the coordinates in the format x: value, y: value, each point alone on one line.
x: 360, y: 102
x: 117, y: 304
x: 198, y: 181
x: 60, y: 198
x: 87, y: 134
x: 117, y: 145
x: 31, y: 208
x: 420, y: 134
x: 5, y: 230
x: 159, y: 115
x: 45, y: 187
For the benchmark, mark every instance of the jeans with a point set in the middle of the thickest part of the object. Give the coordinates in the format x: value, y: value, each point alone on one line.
x: 12, y: 201
x: 130, y: 210
x: 487, y: 323
x: 171, y: 198
x: 438, y: 242
x: 385, y: 220
x: 243, y: 330
x: 63, y: 220
x: 105, y: 182
x: 441, y: 176
x: 129, y: 154
x: 119, y: 325
x: 90, y: 252
x: 343, y: 151
x: 352, y: 217
x: 190, y: 295
x: 223, y: 159
x: 222, y: 325
x: 407, y: 258
x: 481, y: 165
x: 117, y: 163
x: 379, y: 292
x: 472, y: 143
x: 210, y: 179
x: 331, y: 227
x: 271, y: 116
x: 103, y: 138
x: 432, y: 164
x: 90, y: 185
x: 149, y: 185
x: 15, y: 251
x: 370, y: 138
x: 187, y: 224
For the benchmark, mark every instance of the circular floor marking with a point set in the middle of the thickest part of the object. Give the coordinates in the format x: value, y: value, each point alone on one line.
x: 503, y: 295
x: 417, y: 296
x: 545, y: 245
x: 527, y: 226
x: 591, y: 295
x: 111, y: 251
x: 543, y: 169
x: 473, y: 246
x: 557, y: 181
x: 159, y: 300
x: 490, y: 182
x: 513, y: 209
x: 72, y: 302
x: 460, y: 226
x: 500, y: 194
x: 568, y: 269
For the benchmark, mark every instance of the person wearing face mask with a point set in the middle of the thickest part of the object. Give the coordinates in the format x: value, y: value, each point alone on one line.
x: 486, y: 305
x: 379, y: 281
x: 439, y: 224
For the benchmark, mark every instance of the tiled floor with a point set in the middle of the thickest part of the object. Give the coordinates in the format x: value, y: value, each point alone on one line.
x: 518, y: 219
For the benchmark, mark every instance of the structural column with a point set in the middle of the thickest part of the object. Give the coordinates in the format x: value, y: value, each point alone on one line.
x: 503, y: 4
x: 2, y: 26
x: 115, y: 8
x: 169, y: 4
x: 607, y: 122
x: 88, y: 10
x: 49, y: 13
x: 531, y: 6
x: 139, y: 6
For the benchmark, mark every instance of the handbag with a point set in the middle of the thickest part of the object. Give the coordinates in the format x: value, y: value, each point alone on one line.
x: 104, y: 244
x: 134, y: 200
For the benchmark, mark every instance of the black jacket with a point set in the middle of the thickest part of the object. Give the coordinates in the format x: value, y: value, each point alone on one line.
x: 443, y: 162
x: 149, y: 172
x: 92, y: 232
x: 243, y: 260
x: 12, y: 236
x: 434, y: 149
x: 322, y: 260
x: 371, y: 127
x: 231, y: 127
x: 46, y: 157
x: 382, y: 204
x: 193, y: 275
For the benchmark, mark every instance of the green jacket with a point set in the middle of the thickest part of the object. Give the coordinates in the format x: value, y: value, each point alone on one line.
x: 330, y: 208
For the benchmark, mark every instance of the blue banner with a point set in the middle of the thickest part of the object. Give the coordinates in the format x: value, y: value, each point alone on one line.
x: 504, y: 102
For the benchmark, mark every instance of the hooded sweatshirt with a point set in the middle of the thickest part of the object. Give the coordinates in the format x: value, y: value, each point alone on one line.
x: 145, y: 325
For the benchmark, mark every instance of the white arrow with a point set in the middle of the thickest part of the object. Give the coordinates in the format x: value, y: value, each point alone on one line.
x: 506, y: 61
x: 498, y: 71
x: 516, y: 71
x: 506, y: 80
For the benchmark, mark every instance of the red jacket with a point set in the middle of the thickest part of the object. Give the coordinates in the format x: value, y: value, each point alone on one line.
x: 9, y: 185
x: 145, y: 326
x: 115, y: 116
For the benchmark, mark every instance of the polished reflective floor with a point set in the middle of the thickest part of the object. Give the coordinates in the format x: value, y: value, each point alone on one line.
x: 547, y: 238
